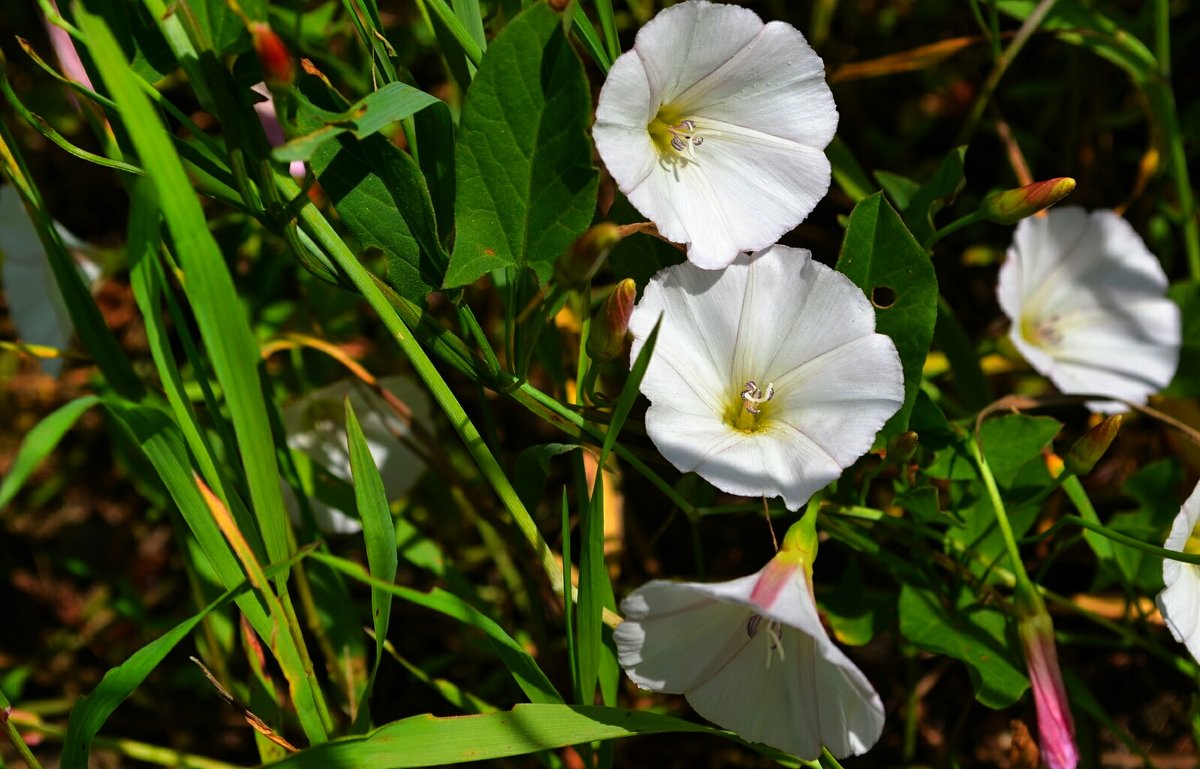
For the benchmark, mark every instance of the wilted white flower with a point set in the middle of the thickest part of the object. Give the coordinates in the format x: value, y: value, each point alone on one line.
x: 714, y: 127
x: 35, y: 304
x: 1179, y: 602
x: 768, y: 377
x: 316, y: 426
x: 752, y: 656
x: 1088, y: 306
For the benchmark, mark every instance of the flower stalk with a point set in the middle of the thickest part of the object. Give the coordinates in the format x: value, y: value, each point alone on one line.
x: 1056, y: 728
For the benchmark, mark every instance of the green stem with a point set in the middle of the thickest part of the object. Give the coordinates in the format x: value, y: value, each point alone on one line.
x: 1116, y: 536
x: 1083, y: 504
x: 1032, y: 22
x: 1163, y: 98
x: 953, y: 226
x: 10, y: 730
x: 1010, y: 541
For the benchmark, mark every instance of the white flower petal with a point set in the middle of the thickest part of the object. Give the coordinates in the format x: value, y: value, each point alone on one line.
x: 687, y: 42
x: 1179, y: 602
x: 657, y: 643
x: 786, y: 323
x: 1088, y: 306
x: 754, y: 97
x: 751, y: 656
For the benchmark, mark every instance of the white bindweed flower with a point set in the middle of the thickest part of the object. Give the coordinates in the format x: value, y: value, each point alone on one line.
x: 1088, y: 306
x: 768, y: 377
x: 316, y: 427
x: 714, y: 127
x: 37, y: 307
x: 752, y: 656
x: 1179, y: 602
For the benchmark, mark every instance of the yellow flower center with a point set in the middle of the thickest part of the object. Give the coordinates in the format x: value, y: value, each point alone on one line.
x: 750, y: 411
x: 1042, y: 332
x: 674, y: 134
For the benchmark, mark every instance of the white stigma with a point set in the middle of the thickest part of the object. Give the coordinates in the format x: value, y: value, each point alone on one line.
x: 752, y: 395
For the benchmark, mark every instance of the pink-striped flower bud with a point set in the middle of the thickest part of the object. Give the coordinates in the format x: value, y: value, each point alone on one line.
x: 1056, y: 727
x: 607, y: 337
x: 1011, y: 206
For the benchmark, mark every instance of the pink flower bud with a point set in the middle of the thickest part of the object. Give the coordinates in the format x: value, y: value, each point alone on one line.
x: 1056, y: 727
x: 611, y: 321
x: 1011, y: 206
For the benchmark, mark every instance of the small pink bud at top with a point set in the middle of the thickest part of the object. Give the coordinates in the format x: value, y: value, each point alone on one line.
x: 558, y: 5
x: 1011, y: 206
x: 576, y: 267
x: 611, y: 321
x: 1087, y: 451
x: 1056, y: 727
x: 278, y: 67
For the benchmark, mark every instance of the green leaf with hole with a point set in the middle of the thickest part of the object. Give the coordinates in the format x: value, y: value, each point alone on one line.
x: 881, y: 256
x: 526, y: 184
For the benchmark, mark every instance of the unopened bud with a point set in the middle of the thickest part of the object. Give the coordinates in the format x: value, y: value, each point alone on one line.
x: 901, y: 448
x: 277, y: 65
x: 1011, y: 206
x: 576, y: 267
x: 607, y: 337
x: 559, y: 5
x: 1056, y: 727
x: 1087, y: 451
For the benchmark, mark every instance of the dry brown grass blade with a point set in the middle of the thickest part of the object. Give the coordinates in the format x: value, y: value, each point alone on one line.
x: 912, y: 60
x: 256, y: 723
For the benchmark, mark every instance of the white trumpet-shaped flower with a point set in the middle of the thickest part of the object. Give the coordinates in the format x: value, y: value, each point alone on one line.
x: 752, y: 656
x: 714, y: 127
x: 1088, y: 306
x: 768, y: 377
x: 1179, y: 602
x: 316, y: 427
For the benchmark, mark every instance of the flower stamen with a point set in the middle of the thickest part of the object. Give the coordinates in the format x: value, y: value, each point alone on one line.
x: 775, y: 644
x: 752, y: 395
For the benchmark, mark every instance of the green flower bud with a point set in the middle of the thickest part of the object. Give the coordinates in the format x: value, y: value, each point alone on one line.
x: 576, y: 267
x: 1011, y: 206
x: 1087, y: 451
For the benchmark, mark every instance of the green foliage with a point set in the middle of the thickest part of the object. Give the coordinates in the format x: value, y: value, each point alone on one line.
x: 451, y: 143
x: 381, y: 195
x: 882, y: 258
x: 526, y: 184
